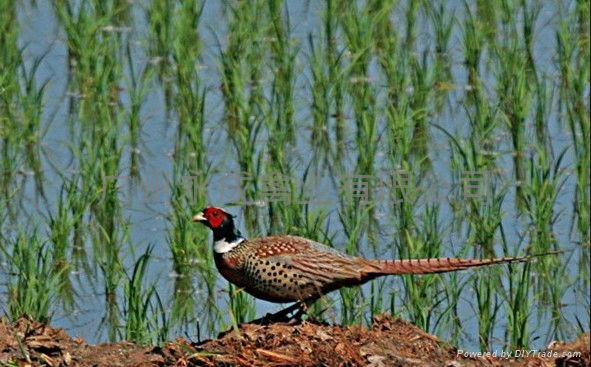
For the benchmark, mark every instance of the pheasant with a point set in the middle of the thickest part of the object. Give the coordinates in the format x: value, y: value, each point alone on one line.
x: 295, y: 269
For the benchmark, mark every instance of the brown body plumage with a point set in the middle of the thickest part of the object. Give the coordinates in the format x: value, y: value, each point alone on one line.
x: 290, y: 268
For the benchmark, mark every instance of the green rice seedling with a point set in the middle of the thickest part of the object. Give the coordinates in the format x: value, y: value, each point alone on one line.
x: 189, y: 246
x: 478, y: 206
x: 474, y: 36
x: 412, y: 11
x: 558, y: 325
x: 279, y: 119
x: 241, y: 306
x: 10, y: 55
x: 422, y: 81
x: 519, y: 306
x: 519, y: 296
x: 377, y: 297
x: 286, y: 197
x: 242, y: 89
x: 423, y: 295
x: 544, y: 101
x: 485, y: 123
x: 21, y: 129
x: 568, y: 55
x: 582, y: 16
x: 582, y: 200
x: 485, y: 217
x: 289, y: 208
x: 407, y: 83
x: 100, y: 169
x: 358, y: 26
x: 96, y: 189
x: 137, y: 87
x: 112, y: 273
x: 400, y: 116
x: 161, y: 28
x: 29, y: 115
x: 11, y: 60
x: 67, y: 234
x: 321, y: 100
x: 286, y: 214
x: 191, y: 255
x: 190, y: 103
x: 190, y: 135
x: 403, y: 200
x: 33, y: 285
x: 284, y: 53
x: 333, y: 60
x: 185, y: 40
x: 507, y: 16
x: 443, y: 22
x: 353, y: 216
x: 530, y: 13
x: 78, y: 202
x: 573, y: 63
x: 353, y: 306
x: 515, y: 98
x: 144, y: 314
x: 160, y: 17
x: 121, y: 12
x: 542, y: 186
x: 8, y: 20
x: 327, y: 89
x: 9, y: 183
x: 448, y: 321
x: 391, y: 59
x: 488, y: 13
x: 488, y: 304
x: 515, y: 68
x: 189, y: 94
x: 241, y: 71
x: 93, y: 44
x: 483, y: 204
x: 484, y: 224
x: 61, y: 225
x: 108, y: 229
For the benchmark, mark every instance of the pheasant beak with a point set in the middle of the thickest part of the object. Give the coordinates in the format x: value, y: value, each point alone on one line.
x: 199, y: 218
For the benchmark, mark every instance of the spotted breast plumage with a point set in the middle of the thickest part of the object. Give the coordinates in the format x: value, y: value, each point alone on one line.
x: 291, y: 268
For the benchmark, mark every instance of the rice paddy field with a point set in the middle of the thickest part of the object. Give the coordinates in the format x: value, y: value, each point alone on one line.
x: 386, y: 129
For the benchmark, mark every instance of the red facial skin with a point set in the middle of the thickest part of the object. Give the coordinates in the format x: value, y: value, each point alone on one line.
x: 215, y: 217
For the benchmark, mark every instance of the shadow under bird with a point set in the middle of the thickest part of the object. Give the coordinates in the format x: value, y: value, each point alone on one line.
x: 295, y: 269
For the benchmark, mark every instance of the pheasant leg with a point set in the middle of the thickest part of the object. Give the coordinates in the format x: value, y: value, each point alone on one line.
x: 282, y: 315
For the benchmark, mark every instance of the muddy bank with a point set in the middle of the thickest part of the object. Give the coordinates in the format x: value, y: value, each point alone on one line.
x: 389, y: 342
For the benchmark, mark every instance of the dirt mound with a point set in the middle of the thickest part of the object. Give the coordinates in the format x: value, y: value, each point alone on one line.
x: 389, y: 342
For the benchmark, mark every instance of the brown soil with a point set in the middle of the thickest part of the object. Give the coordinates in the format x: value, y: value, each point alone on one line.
x: 389, y: 342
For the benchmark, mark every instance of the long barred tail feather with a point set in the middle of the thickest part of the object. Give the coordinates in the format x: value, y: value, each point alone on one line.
x: 441, y: 265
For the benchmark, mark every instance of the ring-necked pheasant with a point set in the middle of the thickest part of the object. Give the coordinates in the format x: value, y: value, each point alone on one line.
x: 291, y: 269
